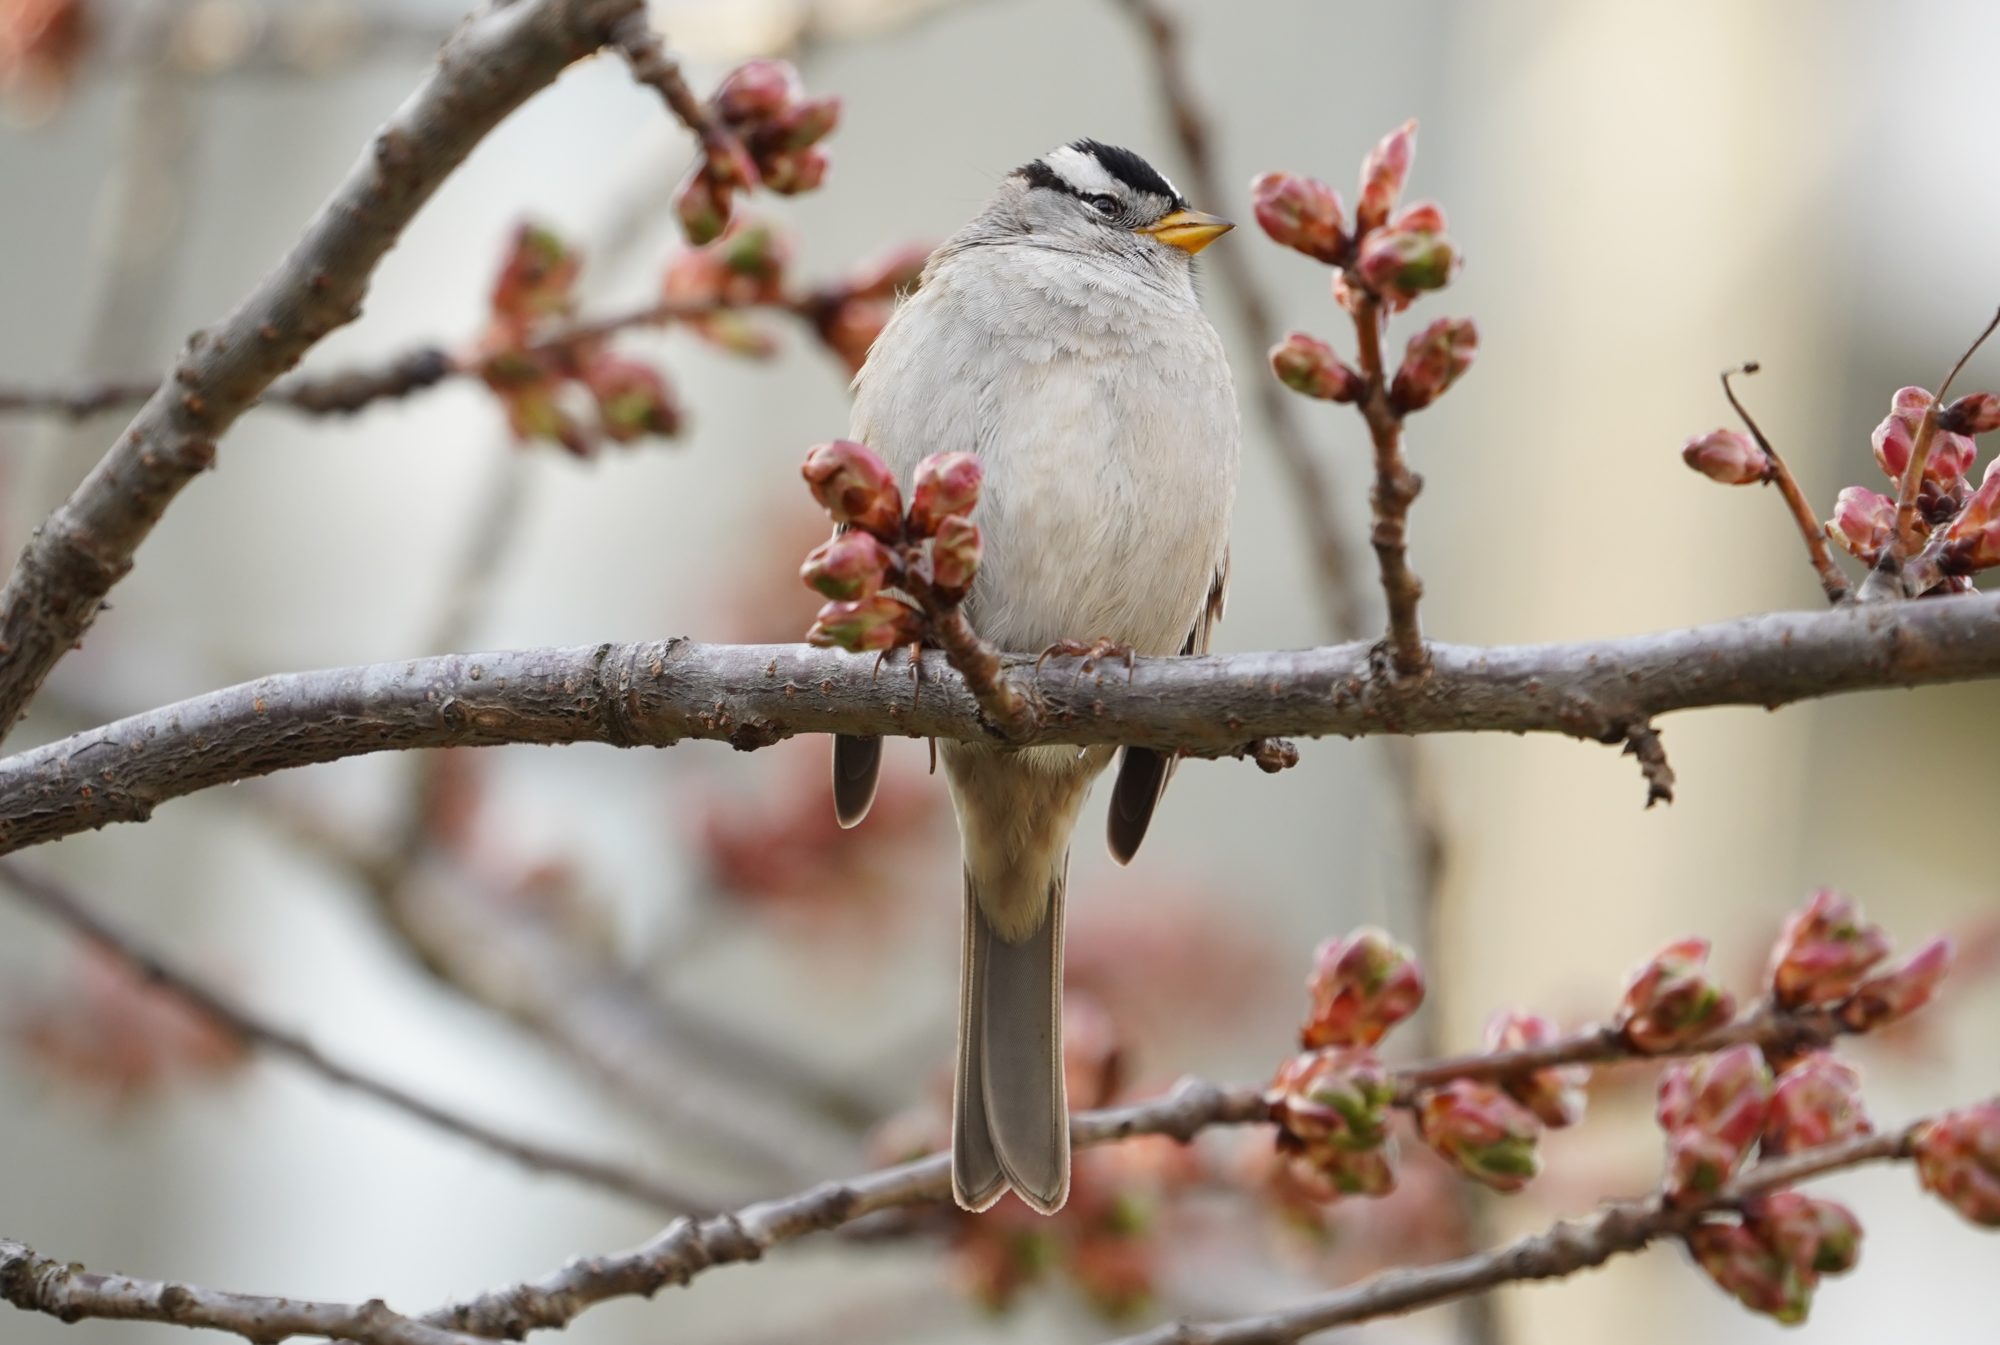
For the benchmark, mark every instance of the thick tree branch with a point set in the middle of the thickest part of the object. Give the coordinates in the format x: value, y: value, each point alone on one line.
x: 489, y: 68
x: 1565, y: 1249
x: 58, y: 902
x: 660, y: 692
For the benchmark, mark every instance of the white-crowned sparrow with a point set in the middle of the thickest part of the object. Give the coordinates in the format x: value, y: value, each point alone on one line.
x: 1058, y: 337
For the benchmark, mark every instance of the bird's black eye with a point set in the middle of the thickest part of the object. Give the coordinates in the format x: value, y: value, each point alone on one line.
x: 1103, y: 205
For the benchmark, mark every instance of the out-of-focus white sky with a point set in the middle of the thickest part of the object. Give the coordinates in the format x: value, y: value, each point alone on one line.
x: 1645, y: 194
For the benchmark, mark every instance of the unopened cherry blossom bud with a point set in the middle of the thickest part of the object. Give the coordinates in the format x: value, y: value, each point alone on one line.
x: 801, y: 125
x: 795, y: 171
x: 757, y: 90
x: 1745, y: 1265
x: 702, y: 206
x: 855, y: 486
x: 1899, y: 992
x: 1951, y: 454
x: 1958, y: 1160
x: 1729, y: 456
x: 633, y: 400
x: 1383, y: 173
x: 728, y: 164
x: 1329, y: 1171
x: 849, y: 566
x: 1486, y: 1134
x: 1425, y: 217
x: 535, y: 279
x: 1302, y: 213
x: 1556, y: 1095
x: 756, y: 256
x: 1862, y: 523
x: 1307, y: 364
x: 954, y: 555
x: 1976, y: 413
x: 944, y: 484
x: 1824, y: 951
x: 1334, y: 1096
x: 1972, y: 539
x: 1433, y: 362
x: 1713, y: 1109
x: 1818, y: 1237
x: 849, y: 329
x: 1670, y: 1001
x: 866, y: 624
x: 1400, y: 265
x: 1360, y: 987
x: 1816, y: 1101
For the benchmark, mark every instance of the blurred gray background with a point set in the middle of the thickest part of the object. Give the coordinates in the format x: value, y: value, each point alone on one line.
x: 1645, y: 193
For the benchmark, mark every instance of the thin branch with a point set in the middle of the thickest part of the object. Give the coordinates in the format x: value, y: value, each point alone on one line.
x: 657, y: 693
x: 60, y: 903
x: 1830, y: 577
x: 984, y: 670
x: 490, y: 67
x: 655, y: 67
x: 1565, y: 1249
x: 1395, y: 490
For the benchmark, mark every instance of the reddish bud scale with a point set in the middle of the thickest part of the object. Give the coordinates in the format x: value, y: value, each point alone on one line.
x: 1383, y: 174
x: 1728, y: 456
x: 536, y: 279
x: 1335, y: 1096
x: 866, y: 625
x: 953, y: 557
x: 1951, y: 454
x: 757, y: 90
x: 1958, y: 1160
x: 944, y: 484
x: 1824, y: 952
x: 1817, y: 1101
x: 633, y: 400
x: 1302, y: 213
x: 855, y: 486
x: 1670, y: 1001
x: 1887, y: 996
x: 1484, y: 1133
x: 795, y: 171
x: 1435, y: 359
x: 1818, y: 1237
x: 1330, y: 1172
x: 848, y: 567
x: 1713, y: 1109
x: 1862, y: 523
x: 1399, y: 265
x: 1360, y: 987
x: 1977, y: 413
x: 1747, y: 1266
x: 702, y: 206
x: 1307, y: 365
x: 1556, y: 1096
x: 1972, y: 539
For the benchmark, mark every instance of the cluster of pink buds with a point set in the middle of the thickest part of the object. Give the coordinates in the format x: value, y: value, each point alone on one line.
x: 1389, y: 258
x: 1827, y: 956
x: 534, y: 375
x: 1481, y: 1131
x: 762, y: 132
x: 930, y: 553
x: 1713, y: 1110
x: 1332, y: 1109
x: 1671, y: 1001
x: 1772, y: 1255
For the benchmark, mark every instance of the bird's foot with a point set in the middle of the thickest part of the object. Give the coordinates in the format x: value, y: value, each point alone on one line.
x: 1092, y: 652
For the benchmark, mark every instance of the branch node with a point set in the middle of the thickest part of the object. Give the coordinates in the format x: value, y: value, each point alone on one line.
x: 1642, y: 740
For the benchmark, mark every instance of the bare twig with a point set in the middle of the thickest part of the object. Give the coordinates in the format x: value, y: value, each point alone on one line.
x: 657, y: 693
x: 654, y: 66
x: 1564, y: 1249
x: 60, y: 903
x: 1830, y: 577
x: 493, y: 64
x: 1395, y: 490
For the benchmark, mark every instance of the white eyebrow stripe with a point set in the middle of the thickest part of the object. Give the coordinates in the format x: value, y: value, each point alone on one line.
x: 1084, y: 174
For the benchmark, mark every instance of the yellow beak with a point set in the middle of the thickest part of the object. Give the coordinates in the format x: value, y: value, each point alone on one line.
x: 1189, y: 230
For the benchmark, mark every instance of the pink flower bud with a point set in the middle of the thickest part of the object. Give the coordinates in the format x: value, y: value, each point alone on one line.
x: 1899, y: 992
x: 702, y: 206
x: 1670, y: 1001
x: 1824, y: 951
x: 535, y: 281
x: 849, y: 566
x: 795, y: 171
x: 1486, y: 1134
x: 866, y: 624
x: 1817, y: 1101
x: 1554, y: 1095
x: 855, y: 486
x: 755, y: 255
x: 1360, y: 987
x: 1976, y: 413
x: 944, y: 484
x: 1713, y: 1109
x: 1328, y: 1171
x: 1972, y: 539
x: 1433, y: 362
x: 1425, y: 217
x: 892, y: 273
x: 1958, y: 1160
x: 1728, y: 456
x: 1862, y: 523
x: 800, y: 126
x: 1743, y: 1264
x: 728, y: 165
x: 1336, y: 1097
x: 1302, y: 213
x: 1951, y: 454
x: 1399, y: 266
x: 757, y: 90
x: 1818, y: 1237
x: 1383, y: 173
x: 1307, y: 364
x: 632, y: 398
x: 695, y: 276
x: 954, y: 555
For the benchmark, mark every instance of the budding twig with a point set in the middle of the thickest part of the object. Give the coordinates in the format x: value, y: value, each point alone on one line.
x: 1830, y: 577
x: 984, y: 669
x: 1396, y: 488
x: 68, y: 907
